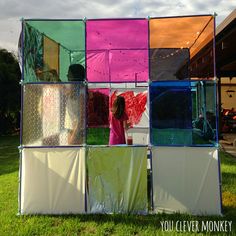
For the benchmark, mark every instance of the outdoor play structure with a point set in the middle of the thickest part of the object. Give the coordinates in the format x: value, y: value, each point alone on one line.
x: 170, y: 91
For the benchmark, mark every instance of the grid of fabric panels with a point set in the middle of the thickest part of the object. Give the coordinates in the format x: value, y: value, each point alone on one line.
x: 169, y: 86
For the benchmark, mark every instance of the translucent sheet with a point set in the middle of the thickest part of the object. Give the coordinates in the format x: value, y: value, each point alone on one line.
x: 186, y: 180
x: 183, y: 113
x: 117, y: 179
x: 51, y: 46
x: 51, y: 54
x: 52, y: 181
x: 136, y: 105
x: 137, y: 109
x: 204, y: 112
x: 175, y: 34
x: 119, y: 55
x: 98, y: 107
x: 54, y: 114
x: 181, y: 32
x: 32, y: 52
x: 169, y: 64
x: 171, y: 113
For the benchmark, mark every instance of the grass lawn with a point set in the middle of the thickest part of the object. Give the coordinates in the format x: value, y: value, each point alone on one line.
x: 11, y: 224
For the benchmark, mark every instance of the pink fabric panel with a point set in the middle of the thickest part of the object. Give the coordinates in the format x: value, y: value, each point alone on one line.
x: 117, y: 34
x: 98, y: 107
x: 97, y: 66
x: 104, y: 91
x: 127, y: 66
x: 117, y: 50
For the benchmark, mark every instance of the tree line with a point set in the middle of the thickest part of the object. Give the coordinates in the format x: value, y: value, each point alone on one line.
x: 10, y: 88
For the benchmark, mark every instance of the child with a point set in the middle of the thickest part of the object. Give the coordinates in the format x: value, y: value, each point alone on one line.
x: 118, y: 122
x: 74, y: 117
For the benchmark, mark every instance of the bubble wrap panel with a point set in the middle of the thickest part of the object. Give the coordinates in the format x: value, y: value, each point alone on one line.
x: 54, y: 114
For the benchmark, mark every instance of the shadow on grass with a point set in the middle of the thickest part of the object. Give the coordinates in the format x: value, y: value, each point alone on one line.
x: 229, y: 179
x: 227, y: 158
x: 229, y: 212
x: 9, y: 154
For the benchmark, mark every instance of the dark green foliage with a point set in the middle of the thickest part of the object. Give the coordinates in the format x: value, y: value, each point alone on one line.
x: 10, y: 92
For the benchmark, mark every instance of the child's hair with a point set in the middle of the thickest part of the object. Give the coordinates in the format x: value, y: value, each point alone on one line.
x: 119, y: 104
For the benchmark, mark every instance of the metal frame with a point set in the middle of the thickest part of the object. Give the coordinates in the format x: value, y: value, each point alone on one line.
x: 149, y: 82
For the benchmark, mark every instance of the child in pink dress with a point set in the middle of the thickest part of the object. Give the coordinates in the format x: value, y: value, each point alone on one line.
x: 118, y: 122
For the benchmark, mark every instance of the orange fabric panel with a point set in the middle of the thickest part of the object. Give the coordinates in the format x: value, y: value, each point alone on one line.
x: 181, y: 32
x: 50, y: 54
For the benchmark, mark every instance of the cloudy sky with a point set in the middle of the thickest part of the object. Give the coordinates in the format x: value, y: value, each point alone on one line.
x: 12, y: 11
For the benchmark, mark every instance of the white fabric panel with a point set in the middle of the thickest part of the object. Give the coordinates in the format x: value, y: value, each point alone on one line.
x: 186, y: 180
x: 53, y: 181
x: 139, y: 135
x: 117, y: 179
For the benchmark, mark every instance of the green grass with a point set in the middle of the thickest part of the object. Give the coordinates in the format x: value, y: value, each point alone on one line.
x: 11, y: 224
x: 98, y: 136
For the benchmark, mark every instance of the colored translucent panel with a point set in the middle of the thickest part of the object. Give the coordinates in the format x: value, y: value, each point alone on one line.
x: 65, y: 61
x: 62, y: 31
x: 51, y: 54
x: 32, y: 52
x: 117, y: 34
x: 171, y: 113
x: 175, y: 34
x: 117, y: 50
x: 136, y: 105
x: 117, y: 179
x: 53, y: 114
x: 98, y: 107
x: 169, y: 64
x: 181, y: 32
x: 97, y: 118
x: 51, y: 46
x: 137, y: 110
x: 183, y: 113
x: 204, y: 112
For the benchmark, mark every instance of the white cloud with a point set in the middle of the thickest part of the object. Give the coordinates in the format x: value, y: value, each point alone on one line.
x: 13, y: 10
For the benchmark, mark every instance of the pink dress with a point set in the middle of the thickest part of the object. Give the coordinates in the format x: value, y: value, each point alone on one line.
x: 117, y: 133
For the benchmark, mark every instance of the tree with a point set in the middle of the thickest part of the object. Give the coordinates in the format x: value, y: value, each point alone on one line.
x: 10, y: 75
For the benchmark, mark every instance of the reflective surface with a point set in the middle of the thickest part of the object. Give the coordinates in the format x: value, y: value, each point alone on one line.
x: 54, y: 114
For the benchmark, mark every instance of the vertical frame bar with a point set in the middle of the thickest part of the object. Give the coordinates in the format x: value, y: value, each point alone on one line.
x: 86, y: 86
x: 86, y: 81
x: 21, y: 116
x: 216, y: 84
x: 150, y: 120
x: 220, y: 181
x: 22, y: 47
x: 151, y: 179
x: 216, y: 95
x: 58, y: 61
x: 149, y: 84
x: 22, y: 80
x: 19, y: 181
x: 217, y: 113
x: 86, y: 191
x: 86, y: 117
